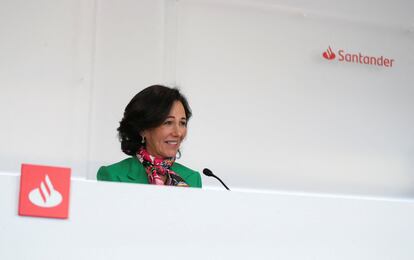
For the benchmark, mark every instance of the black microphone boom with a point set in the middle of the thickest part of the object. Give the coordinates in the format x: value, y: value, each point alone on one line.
x: 209, y: 173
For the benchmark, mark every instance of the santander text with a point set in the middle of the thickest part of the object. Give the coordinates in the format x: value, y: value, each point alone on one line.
x: 359, y: 58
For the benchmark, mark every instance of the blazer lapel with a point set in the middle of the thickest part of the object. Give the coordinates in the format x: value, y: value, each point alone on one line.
x: 136, y: 172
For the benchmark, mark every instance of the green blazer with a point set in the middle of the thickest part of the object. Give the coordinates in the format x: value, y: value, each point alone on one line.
x: 131, y: 170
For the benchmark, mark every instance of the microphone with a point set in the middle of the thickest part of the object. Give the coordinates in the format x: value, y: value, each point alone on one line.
x: 209, y: 173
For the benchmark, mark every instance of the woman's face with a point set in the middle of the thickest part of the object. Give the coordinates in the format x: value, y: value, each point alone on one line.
x: 165, y: 140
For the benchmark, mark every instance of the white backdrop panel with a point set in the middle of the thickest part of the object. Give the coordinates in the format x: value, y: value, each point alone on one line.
x: 45, y: 61
x: 266, y: 102
x: 129, y: 56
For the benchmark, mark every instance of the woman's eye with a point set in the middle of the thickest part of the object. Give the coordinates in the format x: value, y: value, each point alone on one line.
x: 183, y: 123
x: 168, y: 122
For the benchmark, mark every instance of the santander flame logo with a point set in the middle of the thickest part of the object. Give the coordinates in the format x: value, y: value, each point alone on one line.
x: 329, y: 54
x: 44, y: 191
x: 45, y: 195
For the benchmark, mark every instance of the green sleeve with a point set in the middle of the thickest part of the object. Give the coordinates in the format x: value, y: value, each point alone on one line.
x: 198, y: 182
x: 194, y: 180
x: 104, y: 175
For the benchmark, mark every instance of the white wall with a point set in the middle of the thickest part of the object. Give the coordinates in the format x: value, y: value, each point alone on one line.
x: 269, y: 111
x: 45, y: 60
x: 129, y: 56
x: 279, y: 115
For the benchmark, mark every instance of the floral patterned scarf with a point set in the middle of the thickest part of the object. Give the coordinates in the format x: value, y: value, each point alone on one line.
x: 157, y: 167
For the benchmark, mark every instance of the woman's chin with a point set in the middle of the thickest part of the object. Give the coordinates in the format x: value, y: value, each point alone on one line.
x: 170, y: 154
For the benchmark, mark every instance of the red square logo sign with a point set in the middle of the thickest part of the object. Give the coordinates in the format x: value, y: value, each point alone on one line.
x: 44, y: 191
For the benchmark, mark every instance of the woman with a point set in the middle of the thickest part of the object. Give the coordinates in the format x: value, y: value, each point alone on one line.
x: 151, y: 132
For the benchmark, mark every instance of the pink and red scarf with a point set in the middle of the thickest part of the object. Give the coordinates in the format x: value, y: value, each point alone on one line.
x: 157, y: 167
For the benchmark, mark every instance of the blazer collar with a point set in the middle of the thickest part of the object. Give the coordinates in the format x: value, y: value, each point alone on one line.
x: 137, y: 173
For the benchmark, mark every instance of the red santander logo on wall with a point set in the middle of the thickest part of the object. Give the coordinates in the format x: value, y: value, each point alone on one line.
x: 44, y: 191
x: 344, y: 56
x: 329, y: 54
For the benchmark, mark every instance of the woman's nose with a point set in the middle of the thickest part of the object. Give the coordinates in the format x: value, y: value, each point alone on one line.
x: 180, y: 131
x: 176, y: 131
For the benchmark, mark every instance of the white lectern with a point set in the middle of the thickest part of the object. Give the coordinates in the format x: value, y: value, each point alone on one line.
x: 129, y: 221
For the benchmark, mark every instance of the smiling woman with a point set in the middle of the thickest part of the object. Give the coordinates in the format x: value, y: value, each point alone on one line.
x: 151, y: 132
